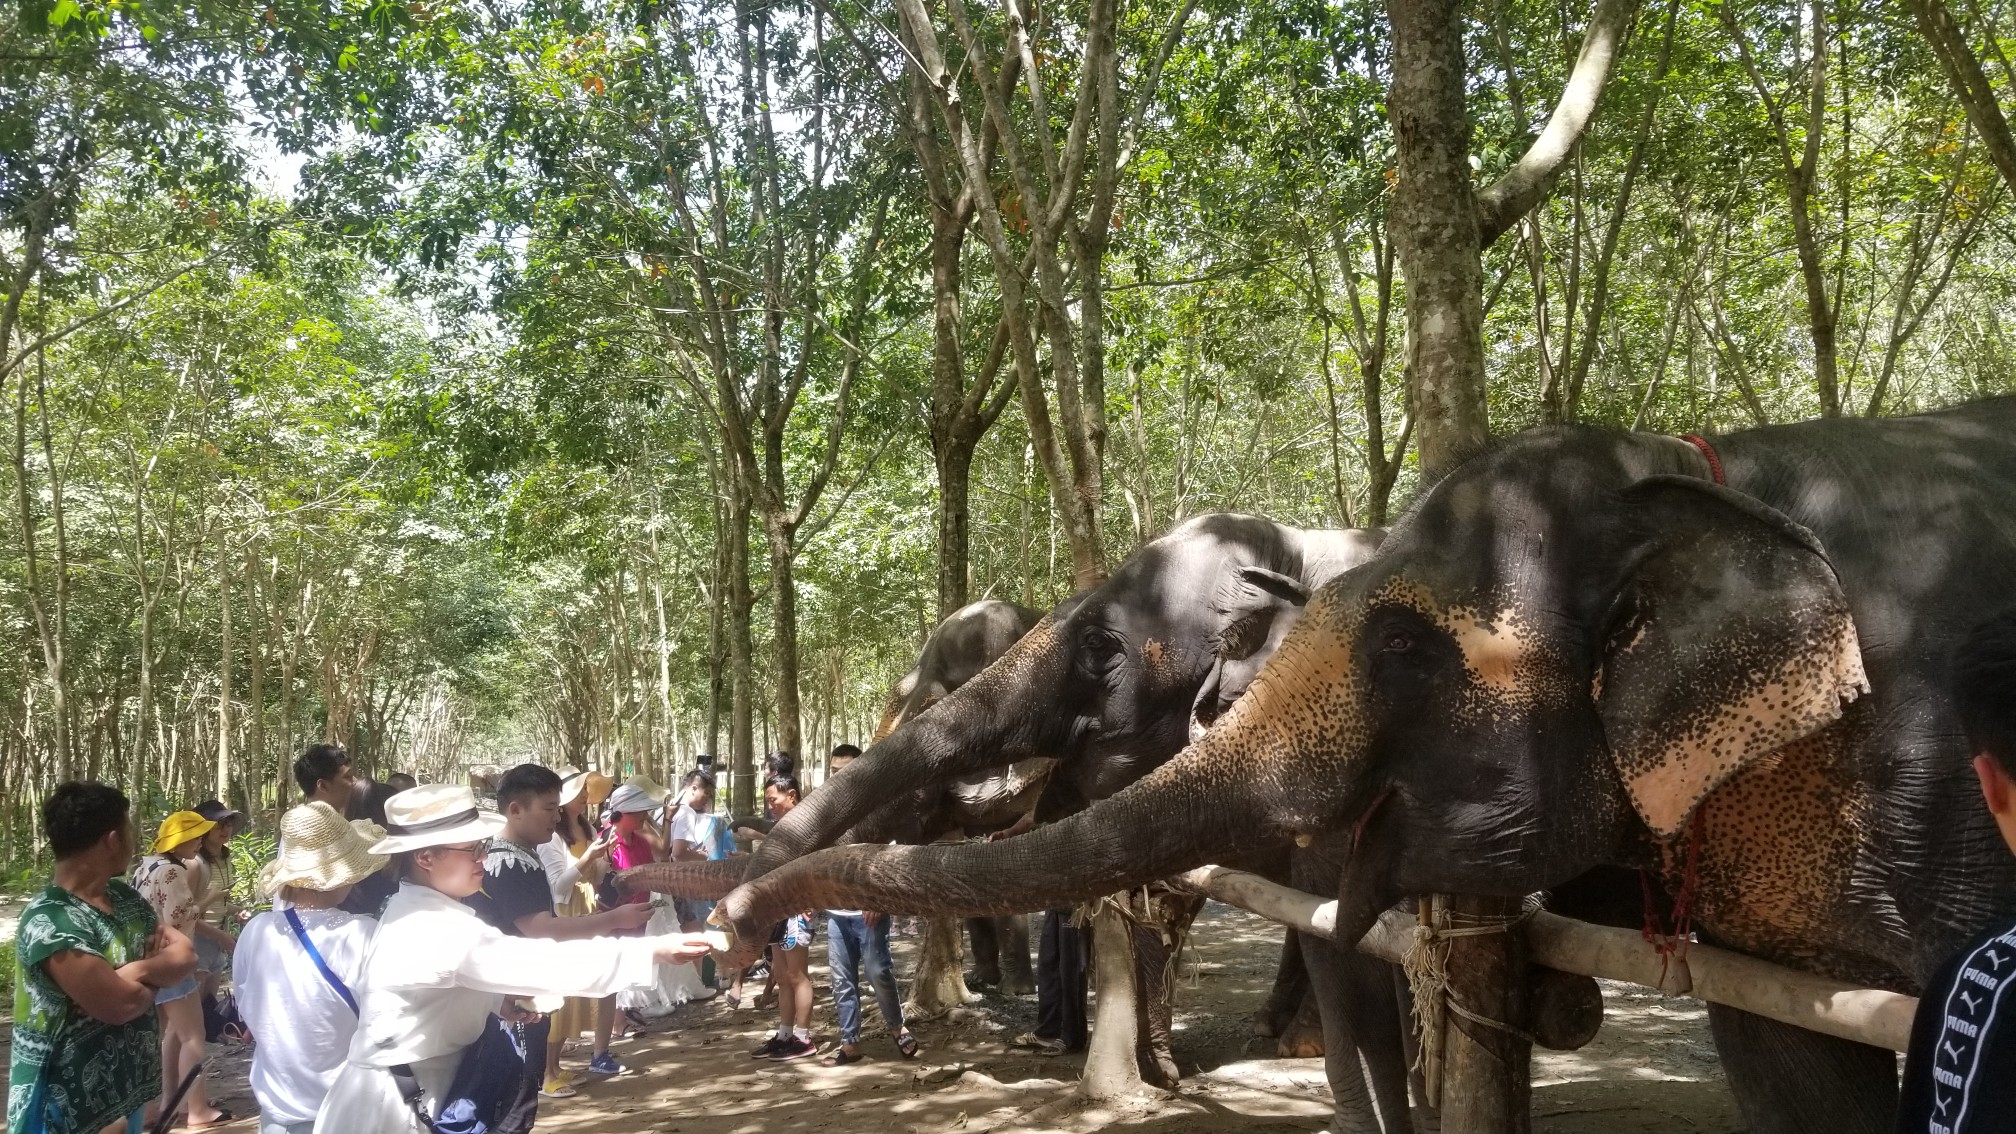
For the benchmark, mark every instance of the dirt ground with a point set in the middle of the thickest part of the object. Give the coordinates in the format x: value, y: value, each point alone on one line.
x: 1652, y: 1068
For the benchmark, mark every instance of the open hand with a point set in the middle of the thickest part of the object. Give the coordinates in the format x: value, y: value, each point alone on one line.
x: 679, y: 948
x: 631, y: 917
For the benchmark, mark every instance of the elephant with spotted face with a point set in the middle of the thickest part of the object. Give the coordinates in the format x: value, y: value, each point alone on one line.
x: 1580, y: 649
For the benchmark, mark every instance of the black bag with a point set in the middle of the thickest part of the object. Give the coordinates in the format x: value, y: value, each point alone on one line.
x: 488, y: 1081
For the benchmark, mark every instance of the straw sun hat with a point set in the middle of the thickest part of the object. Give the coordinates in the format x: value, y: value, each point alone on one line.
x: 435, y: 815
x: 319, y: 851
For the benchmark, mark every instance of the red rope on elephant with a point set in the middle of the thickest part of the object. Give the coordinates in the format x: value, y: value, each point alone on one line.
x: 1674, y: 945
x: 1708, y: 451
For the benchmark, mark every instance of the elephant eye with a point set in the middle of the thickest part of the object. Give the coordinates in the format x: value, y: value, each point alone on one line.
x: 1398, y: 642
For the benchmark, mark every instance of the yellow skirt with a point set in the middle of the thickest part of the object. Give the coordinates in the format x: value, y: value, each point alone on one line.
x: 578, y: 1014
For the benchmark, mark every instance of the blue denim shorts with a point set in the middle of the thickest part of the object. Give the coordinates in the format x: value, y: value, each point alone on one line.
x: 176, y: 991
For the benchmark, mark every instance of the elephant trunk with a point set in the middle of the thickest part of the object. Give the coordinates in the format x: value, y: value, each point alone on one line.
x: 980, y: 725
x: 1183, y: 815
x: 700, y: 881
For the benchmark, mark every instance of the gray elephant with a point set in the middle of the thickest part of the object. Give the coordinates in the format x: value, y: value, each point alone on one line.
x: 1722, y: 660
x: 1104, y: 684
x: 967, y: 642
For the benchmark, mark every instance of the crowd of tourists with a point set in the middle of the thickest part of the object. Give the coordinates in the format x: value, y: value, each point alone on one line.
x: 417, y: 961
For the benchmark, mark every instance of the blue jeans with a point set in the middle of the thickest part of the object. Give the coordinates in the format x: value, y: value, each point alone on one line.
x: 851, y: 944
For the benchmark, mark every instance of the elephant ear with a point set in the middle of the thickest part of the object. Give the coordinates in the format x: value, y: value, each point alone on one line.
x: 1247, y: 605
x: 1729, y: 638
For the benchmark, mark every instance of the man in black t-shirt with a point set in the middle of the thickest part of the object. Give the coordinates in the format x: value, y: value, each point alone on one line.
x: 517, y: 898
x: 1960, y: 1075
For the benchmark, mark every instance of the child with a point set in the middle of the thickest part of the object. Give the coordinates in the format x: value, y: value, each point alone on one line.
x: 1960, y: 1074
x: 790, y: 952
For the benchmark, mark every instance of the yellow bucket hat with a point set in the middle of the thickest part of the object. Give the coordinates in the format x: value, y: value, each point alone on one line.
x: 179, y: 828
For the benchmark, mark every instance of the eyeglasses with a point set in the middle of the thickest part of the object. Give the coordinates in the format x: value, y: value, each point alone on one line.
x: 478, y: 851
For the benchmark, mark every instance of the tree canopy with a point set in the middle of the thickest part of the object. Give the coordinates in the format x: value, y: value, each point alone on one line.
x: 621, y: 382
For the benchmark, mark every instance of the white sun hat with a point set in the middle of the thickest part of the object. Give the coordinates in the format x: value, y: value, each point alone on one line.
x: 319, y: 851
x: 435, y: 815
x: 630, y: 797
x: 572, y: 784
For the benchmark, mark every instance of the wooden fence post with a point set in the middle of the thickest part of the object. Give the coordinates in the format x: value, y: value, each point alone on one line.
x: 1486, y: 1083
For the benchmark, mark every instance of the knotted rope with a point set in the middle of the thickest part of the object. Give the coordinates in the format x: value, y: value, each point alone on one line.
x: 1427, y: 967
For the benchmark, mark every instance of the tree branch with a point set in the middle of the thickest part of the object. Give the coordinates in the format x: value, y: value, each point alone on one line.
x: 1504, y: 201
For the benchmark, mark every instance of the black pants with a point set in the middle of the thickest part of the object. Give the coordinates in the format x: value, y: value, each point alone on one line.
x: 1060, y: 980
x: 517, y: 1118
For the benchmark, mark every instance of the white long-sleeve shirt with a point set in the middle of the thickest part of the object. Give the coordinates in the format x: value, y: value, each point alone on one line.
x: 562, y: 874
x: 435, y: 974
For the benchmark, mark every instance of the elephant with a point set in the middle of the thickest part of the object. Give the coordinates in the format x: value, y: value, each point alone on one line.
x: 1723, y: 660
x: 963, y: 645
x: 1104, y: 684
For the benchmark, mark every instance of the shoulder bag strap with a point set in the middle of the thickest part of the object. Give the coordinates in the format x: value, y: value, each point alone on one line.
x: 315, y: 955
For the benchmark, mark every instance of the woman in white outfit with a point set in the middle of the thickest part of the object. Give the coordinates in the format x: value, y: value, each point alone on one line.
x: 437, y: 971
x: 303, y: 1022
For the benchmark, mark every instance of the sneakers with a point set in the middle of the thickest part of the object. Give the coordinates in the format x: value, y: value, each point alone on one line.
x: 605, y: 1064
x: 769, y: 1048
x: 560, y: 1086
x: 1038, y: 1044
x: 794, y: 1048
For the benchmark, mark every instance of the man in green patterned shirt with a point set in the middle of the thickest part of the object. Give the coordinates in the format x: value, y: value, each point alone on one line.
x: 88, y: 958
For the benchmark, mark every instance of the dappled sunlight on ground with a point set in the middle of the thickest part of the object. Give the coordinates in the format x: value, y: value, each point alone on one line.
x: 1651, y: 1068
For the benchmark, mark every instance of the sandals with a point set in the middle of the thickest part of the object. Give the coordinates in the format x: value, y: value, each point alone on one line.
x: 841, y: 1057
x: 906, y: 1045
x: 224, y: 1117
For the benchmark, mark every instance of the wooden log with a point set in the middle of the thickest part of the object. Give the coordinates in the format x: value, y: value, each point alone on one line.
x: 1865, y: 1015
x: 1487, y: 1087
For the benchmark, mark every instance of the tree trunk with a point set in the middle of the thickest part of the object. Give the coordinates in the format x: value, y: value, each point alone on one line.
x: 224, y: 572
x: 784, y: 633
x: 1486, y: 1087
x: 1970, y: 85
x: 1435, y: 232
x: 940, y: 981
x: 742, y: 690
x: 1112, y: 1065
x: 255, y: 691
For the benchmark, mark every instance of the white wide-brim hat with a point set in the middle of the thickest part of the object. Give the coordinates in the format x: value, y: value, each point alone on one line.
x: 435, y: 815
x: 319, y: 851
x: 572, y: 784
x: 630, y: 798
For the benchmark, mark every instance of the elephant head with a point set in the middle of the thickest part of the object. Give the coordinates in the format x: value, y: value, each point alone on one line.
x: 1103, y: 683
x: 1256, y: 608
x: 1564, y: 645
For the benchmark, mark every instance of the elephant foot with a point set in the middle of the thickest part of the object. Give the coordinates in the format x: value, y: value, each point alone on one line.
x: 1158, y: 1067
x: 984, y: 978
x: 1018, y: 986
x: 1269, y: 1022
x: 1300, y: 1041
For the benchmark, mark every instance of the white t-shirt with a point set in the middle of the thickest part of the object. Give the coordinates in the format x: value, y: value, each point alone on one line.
x: 302, y: 1026
x: 696, y: 828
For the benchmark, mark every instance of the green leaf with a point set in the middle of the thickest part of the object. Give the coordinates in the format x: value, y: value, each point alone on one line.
x: 347, y: 58
x: 64, y: 12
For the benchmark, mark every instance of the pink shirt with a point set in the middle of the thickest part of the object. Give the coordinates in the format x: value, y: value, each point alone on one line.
x: 628, y: 851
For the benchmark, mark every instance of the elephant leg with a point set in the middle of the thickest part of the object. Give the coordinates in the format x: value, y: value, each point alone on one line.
x: 1012, y: 934
x: 1363, y: 1053
x: 986, y: 952
x: 1303, y: 1038
x: 1787, y: 1079
x: 1153, y: 1006
x: 1291, y: 983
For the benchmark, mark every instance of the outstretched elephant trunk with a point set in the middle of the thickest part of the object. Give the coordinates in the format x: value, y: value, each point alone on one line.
x: 971, y: 730
x: 697, y: 880
x: 1183, y: 815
